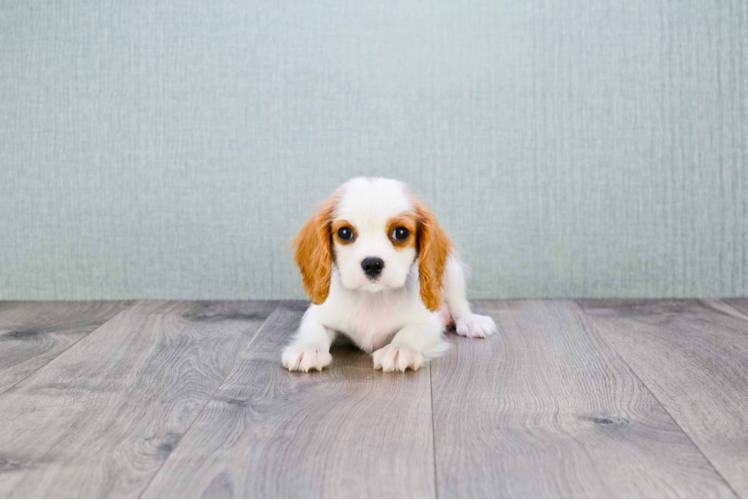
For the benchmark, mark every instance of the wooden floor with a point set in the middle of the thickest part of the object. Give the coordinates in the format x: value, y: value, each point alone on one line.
x: 189, y: 399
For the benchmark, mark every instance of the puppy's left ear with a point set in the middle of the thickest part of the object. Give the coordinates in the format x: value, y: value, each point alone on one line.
x: 434, y: 249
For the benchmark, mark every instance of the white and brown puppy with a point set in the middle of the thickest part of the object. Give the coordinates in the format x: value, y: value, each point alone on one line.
x: 381, y: 271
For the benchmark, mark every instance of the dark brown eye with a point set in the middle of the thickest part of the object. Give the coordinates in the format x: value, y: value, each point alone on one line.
x: 345, y: 233
x: 400, y: 234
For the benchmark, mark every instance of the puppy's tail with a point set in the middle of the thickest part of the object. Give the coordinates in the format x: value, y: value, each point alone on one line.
x: 437, y: 349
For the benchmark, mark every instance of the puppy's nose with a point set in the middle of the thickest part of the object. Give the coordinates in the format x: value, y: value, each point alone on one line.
x: 372, y: 266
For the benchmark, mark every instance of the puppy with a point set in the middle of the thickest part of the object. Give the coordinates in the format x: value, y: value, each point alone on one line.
x: 381, y: 271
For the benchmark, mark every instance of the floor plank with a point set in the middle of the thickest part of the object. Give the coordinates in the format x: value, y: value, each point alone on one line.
x: 101, y: 418
x: 34, y: 333
x: 693, y: 355
x: 548, y: 409
x: 740, y: 304
x: 349, y: 431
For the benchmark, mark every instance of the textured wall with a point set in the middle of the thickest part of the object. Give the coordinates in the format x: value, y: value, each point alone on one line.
x: 171, y: 149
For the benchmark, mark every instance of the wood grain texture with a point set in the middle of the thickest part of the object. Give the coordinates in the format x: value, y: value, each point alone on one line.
x: 693, y: 356
x: 740, y: 304
x: 34, y: 333
x: 100, y: 419
x: 349, y: 431
x: 547, y: 409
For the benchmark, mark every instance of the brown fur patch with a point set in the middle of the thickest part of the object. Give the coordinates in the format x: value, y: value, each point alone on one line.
x: 409, y: 222
x: 340, y: 224
x: 313, y: 252
x: 434, y: 248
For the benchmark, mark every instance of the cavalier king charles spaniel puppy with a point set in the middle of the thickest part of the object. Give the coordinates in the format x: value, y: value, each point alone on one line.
x: 382, y: 272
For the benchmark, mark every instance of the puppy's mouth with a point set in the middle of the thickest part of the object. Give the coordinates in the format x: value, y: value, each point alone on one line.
x: 374, y: 285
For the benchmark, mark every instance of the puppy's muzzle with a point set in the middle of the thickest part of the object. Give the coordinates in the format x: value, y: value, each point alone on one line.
x: 372, y: 266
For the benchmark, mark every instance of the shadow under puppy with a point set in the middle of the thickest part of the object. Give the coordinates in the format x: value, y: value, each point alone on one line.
x: 381, y: 271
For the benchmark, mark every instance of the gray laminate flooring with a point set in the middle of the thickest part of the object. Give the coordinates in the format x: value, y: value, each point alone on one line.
x: 189, y: 399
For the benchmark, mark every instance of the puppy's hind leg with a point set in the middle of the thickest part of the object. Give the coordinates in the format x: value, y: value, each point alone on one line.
x: 467, y: 324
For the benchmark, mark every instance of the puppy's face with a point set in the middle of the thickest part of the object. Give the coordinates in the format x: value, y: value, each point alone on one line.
x: 374, y: 233
x: 373, y: 230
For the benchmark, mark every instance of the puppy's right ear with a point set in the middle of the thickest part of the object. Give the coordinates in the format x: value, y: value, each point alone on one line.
x: 313, y: 254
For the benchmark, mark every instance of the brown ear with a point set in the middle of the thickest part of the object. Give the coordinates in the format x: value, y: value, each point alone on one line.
x: 313, y: 254
x: 434, y: 248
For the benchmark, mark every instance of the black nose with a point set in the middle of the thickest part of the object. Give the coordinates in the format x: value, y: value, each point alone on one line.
x: 372, y: 266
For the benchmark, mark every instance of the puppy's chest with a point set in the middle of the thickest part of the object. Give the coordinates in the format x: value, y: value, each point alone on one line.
x: 372, y: 326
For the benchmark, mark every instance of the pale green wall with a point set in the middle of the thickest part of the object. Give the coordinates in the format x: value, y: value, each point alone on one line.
x: 171, y: 149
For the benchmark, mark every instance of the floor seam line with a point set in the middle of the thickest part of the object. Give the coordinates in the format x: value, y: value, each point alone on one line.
x: 743, y: 316
x: 433, y: 427
x: 604, y: 339
x: 68, y: 348
x: 249, y: 344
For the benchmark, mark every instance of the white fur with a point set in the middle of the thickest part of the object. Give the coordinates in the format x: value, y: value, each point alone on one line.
x: 385, y: 317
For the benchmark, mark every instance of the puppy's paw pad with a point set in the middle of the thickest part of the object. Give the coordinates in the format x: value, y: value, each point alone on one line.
x: 305, y: 358
x: 475, y: 325
x: 390, y: 358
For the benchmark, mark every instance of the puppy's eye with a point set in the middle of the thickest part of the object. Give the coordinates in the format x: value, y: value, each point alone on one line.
x: 400, y: 234
x: 345, y: 233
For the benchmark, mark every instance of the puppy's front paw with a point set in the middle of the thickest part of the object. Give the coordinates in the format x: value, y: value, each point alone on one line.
x: 392, y: 357
x: 305, y: 358
x: 475, y: 325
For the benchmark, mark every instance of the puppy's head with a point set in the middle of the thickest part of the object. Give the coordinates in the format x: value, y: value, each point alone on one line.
x: 373, y: 231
